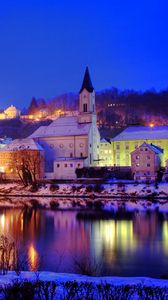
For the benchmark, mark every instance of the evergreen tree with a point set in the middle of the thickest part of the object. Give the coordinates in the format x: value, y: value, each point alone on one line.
x: 33, y: 107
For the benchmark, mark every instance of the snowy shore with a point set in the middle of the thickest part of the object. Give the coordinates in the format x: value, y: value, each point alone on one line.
x: 58, y: 286
x: 130, y: 196
x: 64, y: 277
x: 107, y: 190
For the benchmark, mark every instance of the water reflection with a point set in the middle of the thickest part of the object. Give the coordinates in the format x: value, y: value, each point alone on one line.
x: 33, y: 258
x: 135, y: 247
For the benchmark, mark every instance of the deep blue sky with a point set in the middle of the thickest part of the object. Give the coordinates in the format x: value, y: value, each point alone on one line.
x: 45, y: 46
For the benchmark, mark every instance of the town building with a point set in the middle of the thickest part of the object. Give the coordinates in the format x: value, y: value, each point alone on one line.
x: 10, y: 113
x: 146, y: 162
x: 71, y: 142
x: 133, y: 137
x: 105, y: 153
x: 19, y: 152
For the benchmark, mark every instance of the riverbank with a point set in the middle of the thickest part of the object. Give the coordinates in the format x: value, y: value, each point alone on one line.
x: 106, y: 190
x: 74, y: 286
x: 111, y: 197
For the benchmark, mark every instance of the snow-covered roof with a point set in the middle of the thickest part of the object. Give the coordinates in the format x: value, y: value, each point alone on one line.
x: 63, y: 126
x: 152, y: 147
x: 142, y: 133
x: 22, y: 144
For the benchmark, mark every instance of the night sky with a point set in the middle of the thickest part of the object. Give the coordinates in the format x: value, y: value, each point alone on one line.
x: 45, y: 46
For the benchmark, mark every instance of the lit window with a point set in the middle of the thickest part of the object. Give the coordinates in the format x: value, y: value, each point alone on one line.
x: 105, y: 151
x: 137, y: 157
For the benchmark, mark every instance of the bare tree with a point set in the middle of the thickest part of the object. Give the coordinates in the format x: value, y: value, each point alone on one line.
x: 27, y: 164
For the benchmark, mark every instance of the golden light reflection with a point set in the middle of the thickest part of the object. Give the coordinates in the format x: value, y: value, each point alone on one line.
x: 2, y: 221
x: 165, y: 236
x: 33, y: 258
x: 113, y: 235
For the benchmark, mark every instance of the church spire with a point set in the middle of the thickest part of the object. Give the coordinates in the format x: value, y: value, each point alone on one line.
x: 87, y: 84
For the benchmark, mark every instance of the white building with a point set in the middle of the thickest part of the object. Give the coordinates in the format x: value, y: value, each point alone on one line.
x: 71, y: 142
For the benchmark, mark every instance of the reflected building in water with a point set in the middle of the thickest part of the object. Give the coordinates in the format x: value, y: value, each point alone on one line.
x: 59, y: 238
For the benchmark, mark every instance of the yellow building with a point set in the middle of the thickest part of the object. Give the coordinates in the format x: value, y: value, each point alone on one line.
x: 132, y: 137
x: 106, y: 153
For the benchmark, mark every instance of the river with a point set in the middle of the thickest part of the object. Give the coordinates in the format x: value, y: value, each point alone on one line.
x: 118, y: 245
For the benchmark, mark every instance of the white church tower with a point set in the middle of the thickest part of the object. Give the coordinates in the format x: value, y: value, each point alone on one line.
x: 87, y: 114
x: 87, y: 110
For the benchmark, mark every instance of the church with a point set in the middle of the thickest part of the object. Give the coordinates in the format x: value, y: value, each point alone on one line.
x: 71, y: 142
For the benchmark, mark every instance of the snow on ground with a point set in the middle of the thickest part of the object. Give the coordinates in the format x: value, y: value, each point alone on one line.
x: 64, y: 277
x: 75, y: 286
x: 132, y: 196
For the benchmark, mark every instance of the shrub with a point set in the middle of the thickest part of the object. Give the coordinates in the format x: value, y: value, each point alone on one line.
x: 89, y: 188
x: 73, y: 188
x: 54, y: 204
x: 34, y: 188
x: 35, y: 203
x: 54, y: 188
x: 98, y: 188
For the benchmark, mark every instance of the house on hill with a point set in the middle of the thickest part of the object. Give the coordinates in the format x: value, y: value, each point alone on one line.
x: 146, y: 162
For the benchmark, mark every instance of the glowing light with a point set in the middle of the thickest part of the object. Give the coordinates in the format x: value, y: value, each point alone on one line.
x: 165, y: 236
x: 2, y: 169
x: 151, y: 125
x: 2, y: 221
x: 33, y: 258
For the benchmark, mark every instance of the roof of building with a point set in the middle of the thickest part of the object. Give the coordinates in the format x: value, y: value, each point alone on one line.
x: 152, y: 147
x: 87, y: 83
x: 63, y: 126
x: 105, y: 141
x: 142, y: 133
x: 22, y: 144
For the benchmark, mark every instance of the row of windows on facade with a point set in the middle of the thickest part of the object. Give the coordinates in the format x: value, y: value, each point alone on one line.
x: 136, y: 146
x: 68, y: 165
x: 147, y: 157
x: 52, y: 146
x: 137, y: 165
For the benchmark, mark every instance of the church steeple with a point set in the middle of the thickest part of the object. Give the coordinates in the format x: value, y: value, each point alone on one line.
x: 87, y: 111
x: 87, y: 83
